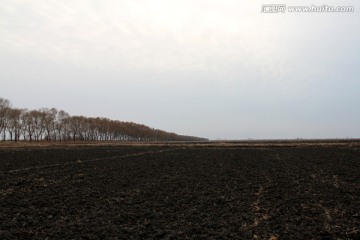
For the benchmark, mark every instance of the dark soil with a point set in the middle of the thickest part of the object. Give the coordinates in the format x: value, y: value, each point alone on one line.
x: 194, y: 192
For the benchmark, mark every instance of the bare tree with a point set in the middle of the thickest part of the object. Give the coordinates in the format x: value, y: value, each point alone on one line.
x: 24, y: 120
x: 75, y: 125
x: 14, y: 126
x: 37, y: 124
x: 4, y: 109
x: 53, y: 125
x: 61, y: 125
x: 48, y: 118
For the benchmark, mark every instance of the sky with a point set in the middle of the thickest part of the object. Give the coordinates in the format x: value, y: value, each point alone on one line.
x: 220, y: 69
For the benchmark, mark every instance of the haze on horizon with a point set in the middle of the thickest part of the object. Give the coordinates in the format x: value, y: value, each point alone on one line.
x: 207, y: 68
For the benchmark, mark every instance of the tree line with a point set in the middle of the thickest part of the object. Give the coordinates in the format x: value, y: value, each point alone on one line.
x: 46, y: 124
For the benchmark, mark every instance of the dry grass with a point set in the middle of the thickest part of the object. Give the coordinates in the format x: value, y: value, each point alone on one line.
x: 353, y: 143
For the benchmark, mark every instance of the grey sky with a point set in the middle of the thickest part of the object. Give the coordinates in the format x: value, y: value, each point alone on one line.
x: 215, y: 69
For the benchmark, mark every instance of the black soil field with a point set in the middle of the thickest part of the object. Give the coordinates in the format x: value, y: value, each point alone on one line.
x: 180, y: 192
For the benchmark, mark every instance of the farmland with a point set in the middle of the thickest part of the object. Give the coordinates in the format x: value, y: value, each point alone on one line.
x: 281, y: 190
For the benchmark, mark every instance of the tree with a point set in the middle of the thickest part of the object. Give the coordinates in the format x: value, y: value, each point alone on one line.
x: 37, y: 124
x: 4, y: 108
x: 24, y: 120
x: 48, y: 118
x: 54, y: 125
x: 62, y: 125
x: 75, y: 124
x: 14, y: 126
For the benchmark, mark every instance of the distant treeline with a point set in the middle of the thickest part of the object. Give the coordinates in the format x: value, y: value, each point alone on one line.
x: 57, y: 125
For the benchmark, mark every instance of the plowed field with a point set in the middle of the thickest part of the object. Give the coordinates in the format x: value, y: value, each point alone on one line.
x: 180, y: 192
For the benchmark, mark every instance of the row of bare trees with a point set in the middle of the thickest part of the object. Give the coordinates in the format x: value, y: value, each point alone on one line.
x: 57, y: 125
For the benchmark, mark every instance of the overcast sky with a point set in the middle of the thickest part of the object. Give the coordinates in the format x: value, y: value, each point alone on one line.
x: 209, y: 68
